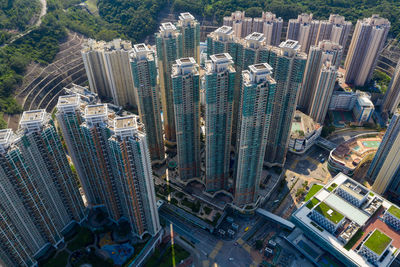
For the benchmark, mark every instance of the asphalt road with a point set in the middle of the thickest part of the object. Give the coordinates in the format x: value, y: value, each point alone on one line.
x: 211, y: 248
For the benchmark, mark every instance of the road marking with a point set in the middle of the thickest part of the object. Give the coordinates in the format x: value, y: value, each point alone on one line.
x: 216, y: 249
x: 206, y: 263
x: 240, y: 241
x: 247, y: 247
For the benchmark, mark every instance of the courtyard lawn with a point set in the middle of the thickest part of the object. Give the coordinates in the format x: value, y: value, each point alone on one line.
x: 378, y: 242
x: 313, y: 190
x: 82, y: 239
x: 329, y: 213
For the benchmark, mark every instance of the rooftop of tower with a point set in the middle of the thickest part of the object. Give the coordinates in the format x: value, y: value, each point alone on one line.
x: 125, y: 122
x: 116, y: 44
x: 186, y: 16
x: 224, y: 29
x: 258, y: 73
x: 67, y: 100
x: 184, y: 66
x: 141, y: 52
x: 99, y: 109
x: 167, y: 26
x: 255, y: 36
x: 5, y: 139
x: 219, y: 62
x: 5, y: 136
x: 33, y: 116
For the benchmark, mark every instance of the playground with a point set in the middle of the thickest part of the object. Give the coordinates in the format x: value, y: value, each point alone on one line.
x: 119, y: 253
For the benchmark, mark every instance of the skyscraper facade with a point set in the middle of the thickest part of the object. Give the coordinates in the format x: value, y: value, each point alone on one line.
x: 190, y: 30
x: 256, y: 107
x: 368, y: 40
x: 311, y: 32
x: 392, y: 96
x: 40, y: 199
x: 130, y: 161
x: 270, y: 26
x: 304, y: 30
x: 288, y: 65
x: 322, y: 94
x: 144, y: 73
x: 336, y: 31
x: 186, y: 94
x: 250, y: 50
x: 241, y: 25
x: 385, y: 167
x: 95, y: 67
x: 169, y: 49
x: 112, y: 160
x: 222, y: 40
x: 108, y: 63
x: 219, y: 90
x: 319, y: 79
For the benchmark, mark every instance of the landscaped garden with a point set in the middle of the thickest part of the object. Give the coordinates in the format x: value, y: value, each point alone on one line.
x: 378, y: 242
x: 313, y: 190
x: 84, y: 238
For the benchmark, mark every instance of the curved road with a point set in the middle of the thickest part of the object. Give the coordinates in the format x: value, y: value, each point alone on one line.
x: 43, y: 12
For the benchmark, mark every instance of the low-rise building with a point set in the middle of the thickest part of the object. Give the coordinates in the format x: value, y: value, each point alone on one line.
x: 304, y: 133
x: 392, y: 217
x: 350, y: 154
x: 343, y: 218
x: 363, y: 109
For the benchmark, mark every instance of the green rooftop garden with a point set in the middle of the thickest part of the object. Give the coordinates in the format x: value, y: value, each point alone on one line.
x: 378, y: 242
x: 313, y: 190
x: 332, y: 215
x: 395, y: 211
x: 333, y: 186
x: 312, y: 203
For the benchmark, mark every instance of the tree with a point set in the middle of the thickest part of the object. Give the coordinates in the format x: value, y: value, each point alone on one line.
x: 259, y: 244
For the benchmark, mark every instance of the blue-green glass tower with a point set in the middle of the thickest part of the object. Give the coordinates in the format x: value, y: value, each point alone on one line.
x: 256, y: 109
x: 288, y: 65
x: 169, y: 49
x: 219, y: 89
x: 145, y: 80
x: 186, y: 94
x: 189, y: 27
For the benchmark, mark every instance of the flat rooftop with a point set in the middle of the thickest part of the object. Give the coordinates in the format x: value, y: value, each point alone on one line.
x: 261, y: 67
x: 186, y: 15
x: 68, y: 100
x: 168, y: 26
x: 303, y: 125
x: 255, y: 36
x: 395, y: 211
x: 125, y: 122
x: 5, y: 135
x: 329, y: 213
x: 224, y: 29
x: 378, y: 242
x: 99, y: 109
x: 140, y: 47
x: 292, y: 44
x: 33, y: 115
